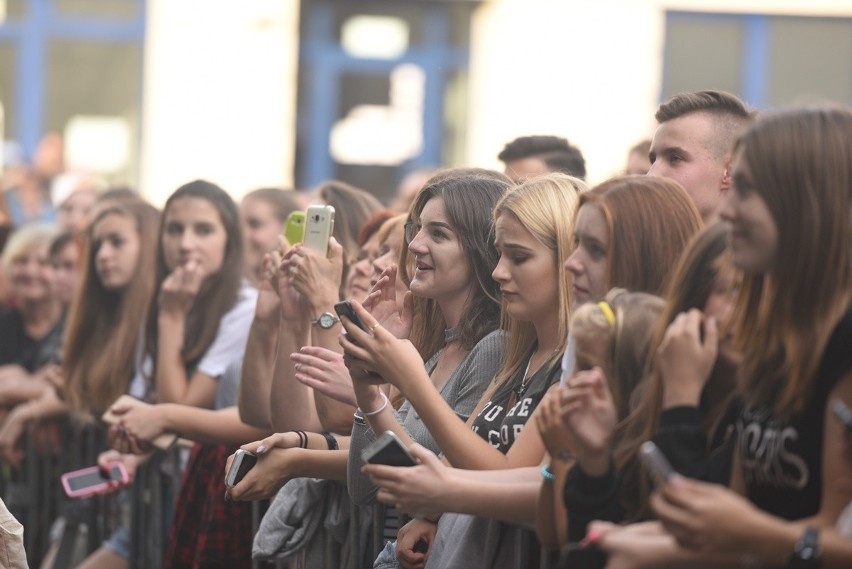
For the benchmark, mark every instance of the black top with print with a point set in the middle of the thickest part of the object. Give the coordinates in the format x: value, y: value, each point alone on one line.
x: 498, y: 424
x: 782, y: 458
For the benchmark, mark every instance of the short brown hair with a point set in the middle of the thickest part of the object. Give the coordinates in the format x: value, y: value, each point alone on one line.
x: 730, y: 113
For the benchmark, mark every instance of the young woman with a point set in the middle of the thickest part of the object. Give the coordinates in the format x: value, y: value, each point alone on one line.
x: 196, y: 327
x: 108, y: 315
x: 532, y: 237
x: 789, y: 212
x: 630, y: 232
x: 688, y: 417
x: 456, y: 243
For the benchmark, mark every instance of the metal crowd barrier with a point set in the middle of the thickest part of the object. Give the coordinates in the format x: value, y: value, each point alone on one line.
x: 34, y: 495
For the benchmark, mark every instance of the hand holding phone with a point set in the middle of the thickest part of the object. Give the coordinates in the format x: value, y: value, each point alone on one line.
x: 93, y: 480
x: 345, y: 309
x: 388, y: 449
x: 242, y: 463
x: 655, y: 461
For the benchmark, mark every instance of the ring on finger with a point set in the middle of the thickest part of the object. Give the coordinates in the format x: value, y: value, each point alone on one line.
x: 374, y: 326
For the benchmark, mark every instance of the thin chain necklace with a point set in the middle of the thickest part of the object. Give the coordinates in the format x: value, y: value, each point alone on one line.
x: 522, y: 388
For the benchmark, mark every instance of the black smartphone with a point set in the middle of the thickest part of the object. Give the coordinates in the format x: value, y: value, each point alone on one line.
x: 345, y: 309
x: 656, y: 462
x: 842, y: 412
x: 388, y: 449
x: 242, y: 463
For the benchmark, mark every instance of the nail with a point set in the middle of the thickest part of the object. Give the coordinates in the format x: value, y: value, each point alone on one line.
x: 261, y: 449
x: 592, y: 538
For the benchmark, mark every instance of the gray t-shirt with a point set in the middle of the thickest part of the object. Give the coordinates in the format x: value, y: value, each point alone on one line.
x: 462, y: 392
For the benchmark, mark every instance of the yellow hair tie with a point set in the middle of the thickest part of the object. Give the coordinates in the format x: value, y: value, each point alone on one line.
x: 607, y: 312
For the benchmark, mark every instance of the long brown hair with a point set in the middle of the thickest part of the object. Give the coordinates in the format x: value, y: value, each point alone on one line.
x: 469, y: 198
x: 219, y: 292
x: 690, y: 286
x: 104, y: 326
x: 800, y: 164
x: 649, y: 222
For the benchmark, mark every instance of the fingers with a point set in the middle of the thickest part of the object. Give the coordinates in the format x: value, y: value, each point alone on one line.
x: 335, y: 250
x: 424, y: 455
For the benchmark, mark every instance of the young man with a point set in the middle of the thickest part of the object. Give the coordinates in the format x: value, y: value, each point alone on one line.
x: 693, y: 144
x: 530, y: 156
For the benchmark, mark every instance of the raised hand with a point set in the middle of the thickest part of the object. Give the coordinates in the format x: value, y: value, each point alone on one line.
x: 548, y: 419
x: 381, y: 303
x: 685, y: 358
x: 589, y: 413
x: 179, y: 289
x: 324, y: 370
x: 377, y: 351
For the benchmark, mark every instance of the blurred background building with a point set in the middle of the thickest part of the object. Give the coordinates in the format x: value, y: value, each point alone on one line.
x: 291, y: 92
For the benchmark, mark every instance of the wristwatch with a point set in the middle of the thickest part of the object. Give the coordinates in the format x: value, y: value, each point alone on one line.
x: 326, y: 320
x: 806, y: 551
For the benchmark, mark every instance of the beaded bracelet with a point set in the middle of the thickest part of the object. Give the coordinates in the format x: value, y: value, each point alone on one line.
x: 547, y: 474
x: 379, y: 410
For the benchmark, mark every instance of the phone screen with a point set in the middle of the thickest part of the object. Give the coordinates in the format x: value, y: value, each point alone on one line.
x: 94, y: 477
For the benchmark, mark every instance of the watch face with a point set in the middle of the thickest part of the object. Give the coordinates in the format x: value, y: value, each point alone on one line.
x: 327, y: 320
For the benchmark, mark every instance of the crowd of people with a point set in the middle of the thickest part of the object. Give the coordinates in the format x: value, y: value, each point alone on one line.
x: 530, y: 339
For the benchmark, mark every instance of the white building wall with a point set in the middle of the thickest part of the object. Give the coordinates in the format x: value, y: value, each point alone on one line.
x: 219, y: 94
x: 589, y: 70
x: 220, y: 90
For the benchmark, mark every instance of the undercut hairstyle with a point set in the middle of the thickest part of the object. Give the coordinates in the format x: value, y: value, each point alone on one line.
x: 219, y: 292
x: 649, y: 223
x: 469, y: 195
x: 730, y: 115
x: 557, y: 153
x: 800, y: 164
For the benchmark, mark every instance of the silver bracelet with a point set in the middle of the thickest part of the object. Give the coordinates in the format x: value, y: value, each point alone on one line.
x: 377, y: 411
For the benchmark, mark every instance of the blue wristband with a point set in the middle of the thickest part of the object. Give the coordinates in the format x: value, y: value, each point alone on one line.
x: 547, y: 474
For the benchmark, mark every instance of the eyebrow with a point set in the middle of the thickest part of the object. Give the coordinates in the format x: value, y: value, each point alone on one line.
x: 513, y: 246
x: 442, y: 224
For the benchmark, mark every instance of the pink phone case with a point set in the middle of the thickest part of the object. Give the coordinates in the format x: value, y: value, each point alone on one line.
x: 93, y: 483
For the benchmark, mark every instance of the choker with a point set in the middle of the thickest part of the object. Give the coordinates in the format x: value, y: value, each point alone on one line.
x: 451, y: 335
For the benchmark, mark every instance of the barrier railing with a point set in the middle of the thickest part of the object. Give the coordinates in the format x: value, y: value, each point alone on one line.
x: 34, y: 495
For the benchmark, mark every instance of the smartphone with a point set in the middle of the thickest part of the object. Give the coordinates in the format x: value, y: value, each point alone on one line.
x: 345, y: 309
x: 242, y: 463
x: 163, y: 442
x: 92, y: 480
x: 389, y: 450
x: 842, y: 412
x: 656, y: 462
x: 319, y: 226
x: 294, y: 227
